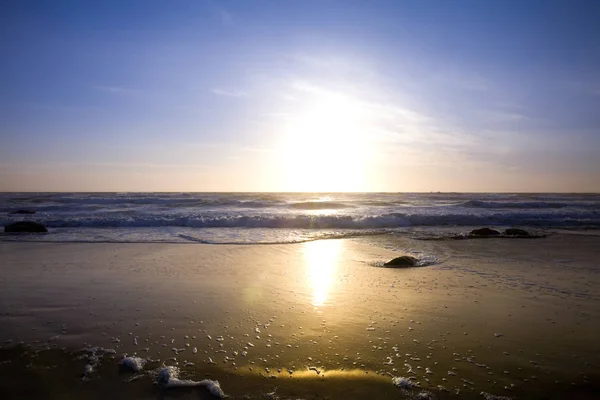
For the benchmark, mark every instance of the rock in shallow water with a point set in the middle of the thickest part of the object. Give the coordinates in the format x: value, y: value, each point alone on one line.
x: 402, y: 261
x: 484, y: 232
x: 25, y: 226
x: 516, y: 232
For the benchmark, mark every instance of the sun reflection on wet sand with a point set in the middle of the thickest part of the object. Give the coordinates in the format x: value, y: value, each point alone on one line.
x: 322, y: 258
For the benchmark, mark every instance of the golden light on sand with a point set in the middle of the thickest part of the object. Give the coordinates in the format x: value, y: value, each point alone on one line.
x: 322, y: 258
x: 325, y: 147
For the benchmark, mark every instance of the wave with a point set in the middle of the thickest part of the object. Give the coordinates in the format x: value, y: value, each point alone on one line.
x: 67, y: 202
x: 527, y: 204
x: 388, y: 220
x: 382, y: 203
x: 319, y: 205
x: 279, y: 239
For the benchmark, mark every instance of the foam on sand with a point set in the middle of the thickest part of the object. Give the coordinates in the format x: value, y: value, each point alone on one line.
x: 488, y: 396
x: 93, y: 355
x: 135, y: 364
x: 168, y: 378
x: 425, y: 396
x: 404, y: 383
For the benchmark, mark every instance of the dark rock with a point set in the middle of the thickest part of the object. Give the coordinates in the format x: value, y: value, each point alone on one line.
x: 516, y: 232
x: 25, y: 226
x: 402, y: 261
x: 22, y: 212
x: 484, y: 232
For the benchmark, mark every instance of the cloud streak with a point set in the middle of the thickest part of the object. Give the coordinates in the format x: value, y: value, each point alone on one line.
x: 391, y: 122
x: 229, y: 93
x: 116, y: 90
x: 407, y: 136
x: 226, y: 17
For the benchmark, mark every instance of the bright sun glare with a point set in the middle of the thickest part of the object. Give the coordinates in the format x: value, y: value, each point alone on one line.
x: 322, y: 258
x: 325, y: 147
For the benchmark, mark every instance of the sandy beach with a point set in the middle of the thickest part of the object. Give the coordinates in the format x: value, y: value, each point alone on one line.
x: 300, y: 200
x: 322, y: 319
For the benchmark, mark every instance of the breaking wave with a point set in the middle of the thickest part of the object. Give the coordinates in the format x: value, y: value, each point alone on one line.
x: 528, y: 204
x: 303, y: 221
x: 284, y: 217
x: 320, y: 205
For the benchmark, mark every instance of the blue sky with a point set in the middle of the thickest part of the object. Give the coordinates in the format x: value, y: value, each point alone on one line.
x: 300, y: 95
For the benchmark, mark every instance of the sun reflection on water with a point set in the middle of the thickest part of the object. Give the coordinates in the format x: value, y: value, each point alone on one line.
x: 322, y: 258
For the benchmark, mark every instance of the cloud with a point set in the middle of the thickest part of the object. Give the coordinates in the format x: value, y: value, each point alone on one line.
x: 256, y: 149
x: 320, y: 62
x: 59, y: 167
x: 590, y: 87
x: 501, y: 116
x: 405, y: 135
x: 117, y: 90
x: 385, y: 120
x: 226, y: 17
x: 229, y: 93
x: 467, y: 81
x: 348, y: 68
x: 376, y: 110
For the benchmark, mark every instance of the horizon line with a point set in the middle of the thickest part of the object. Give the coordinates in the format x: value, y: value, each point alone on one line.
x: 305, y: 192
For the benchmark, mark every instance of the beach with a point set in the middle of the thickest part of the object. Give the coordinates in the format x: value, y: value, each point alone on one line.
x: 320, y: 319
x: 300, y: 200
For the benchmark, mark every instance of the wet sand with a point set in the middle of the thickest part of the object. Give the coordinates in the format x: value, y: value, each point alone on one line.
x: 515, y: 318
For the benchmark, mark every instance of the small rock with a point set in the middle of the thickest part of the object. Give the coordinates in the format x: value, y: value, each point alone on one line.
x: 402, y: 261
x: 484, y: 232
x: 516, y: 232
x: 25, y: 226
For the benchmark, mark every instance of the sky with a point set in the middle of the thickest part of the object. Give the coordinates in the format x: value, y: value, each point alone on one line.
x: 257, y: 95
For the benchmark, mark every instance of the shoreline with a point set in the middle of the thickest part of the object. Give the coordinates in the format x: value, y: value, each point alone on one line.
x: 326, y: 300
x: 271, y: 236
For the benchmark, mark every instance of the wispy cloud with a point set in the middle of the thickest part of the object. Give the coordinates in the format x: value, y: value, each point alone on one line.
x: 383, y: 119
x: 407, y: 135
x: 590, y: 87
x: 467, y: 81
x: 256, y: 149
x: 117, y: 90
x: 102, y: 165
x: 226, y: 17
x: 339, y: 67
x: 501, y: 116
x: 320, y: 62
x: 229, y: 93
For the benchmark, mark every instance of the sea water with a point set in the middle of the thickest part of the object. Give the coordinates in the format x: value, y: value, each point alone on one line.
x: 247, y: 218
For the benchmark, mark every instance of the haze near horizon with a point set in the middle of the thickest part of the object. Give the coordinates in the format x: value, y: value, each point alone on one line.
x: 315, y: 96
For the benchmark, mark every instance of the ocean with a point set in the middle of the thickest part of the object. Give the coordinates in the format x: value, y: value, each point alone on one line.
x: 112, y: 303
x: 249, y: 218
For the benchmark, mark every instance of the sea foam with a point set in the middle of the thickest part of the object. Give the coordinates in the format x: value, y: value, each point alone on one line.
x: 135, y: 364
x: 188, y: 217
x: 404, y: 383
x: 168, y: 377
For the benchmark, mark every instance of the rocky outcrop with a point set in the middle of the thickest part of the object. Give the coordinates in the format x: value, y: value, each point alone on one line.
x: 402, y: 261
x: 484, y: 232
x: 516, y: 232
x: 25, y: 226
x: 22, y: 212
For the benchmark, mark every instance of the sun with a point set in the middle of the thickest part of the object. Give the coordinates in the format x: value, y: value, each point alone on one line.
x: 325, y: 147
